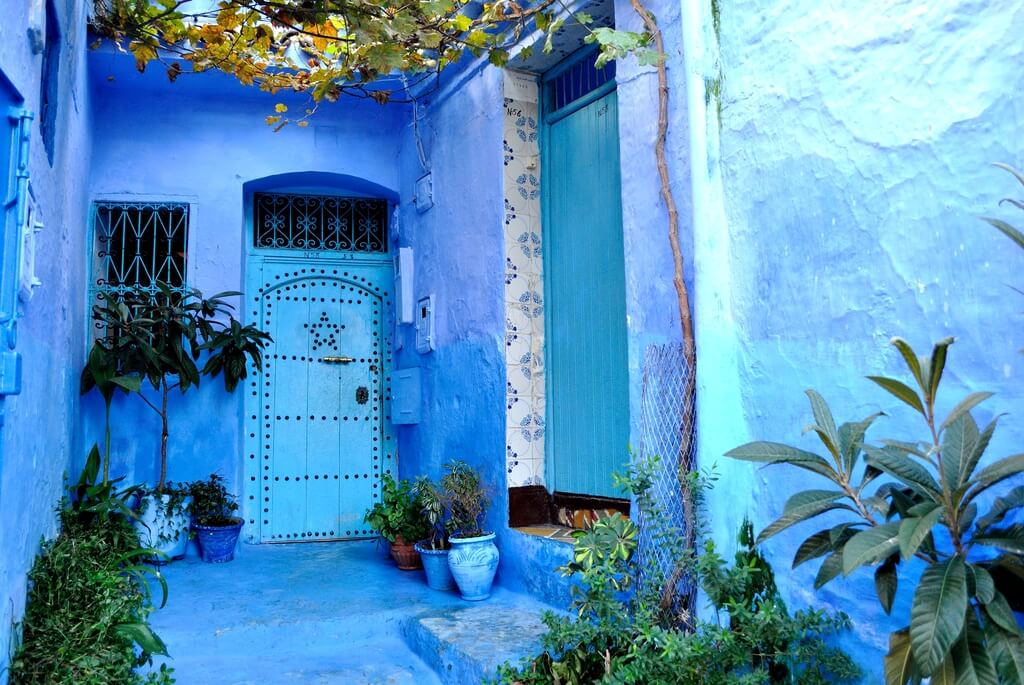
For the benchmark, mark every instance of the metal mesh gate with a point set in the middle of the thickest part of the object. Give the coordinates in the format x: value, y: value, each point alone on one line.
x: 664, y: 407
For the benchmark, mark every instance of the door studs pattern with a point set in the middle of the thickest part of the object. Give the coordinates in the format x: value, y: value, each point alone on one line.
x: 346, y: 287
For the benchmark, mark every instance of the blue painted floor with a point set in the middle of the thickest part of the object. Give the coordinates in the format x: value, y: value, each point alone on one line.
x: 330, y: 613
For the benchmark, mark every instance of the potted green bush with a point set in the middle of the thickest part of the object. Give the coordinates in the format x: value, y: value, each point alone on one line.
x: 159, y: 337
x: 434, y: 549
x: 399, y: 519
x: 213, y: 519
x: 473, y: 559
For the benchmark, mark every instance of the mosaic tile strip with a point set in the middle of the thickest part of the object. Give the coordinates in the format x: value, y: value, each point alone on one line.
x: 524, y: 285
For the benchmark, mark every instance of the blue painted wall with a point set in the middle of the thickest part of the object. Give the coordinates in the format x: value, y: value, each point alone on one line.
x: 833, y: 206
x: 459, y: 249
x: 200, y: 140
x: 36, y: 440
x: 844, y: 186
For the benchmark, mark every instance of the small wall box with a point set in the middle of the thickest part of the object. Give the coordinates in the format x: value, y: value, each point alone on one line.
x: 425, y: 324
x: 406, y: 390
x: 405, y: 302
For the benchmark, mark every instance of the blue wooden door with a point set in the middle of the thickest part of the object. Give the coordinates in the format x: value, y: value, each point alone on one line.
x: 319, y: 429
x: 588, y: 393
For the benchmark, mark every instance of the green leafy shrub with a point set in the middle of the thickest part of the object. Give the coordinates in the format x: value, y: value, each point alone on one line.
x: 399, y: 514
x: 621, y: 630
x: 434, y: 511
x: 466, y: 499
x: 212, y: 504
x: 88, y: 603
x: 928, y: 508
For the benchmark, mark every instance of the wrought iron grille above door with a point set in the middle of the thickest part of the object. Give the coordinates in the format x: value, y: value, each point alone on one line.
x: 320, y: 223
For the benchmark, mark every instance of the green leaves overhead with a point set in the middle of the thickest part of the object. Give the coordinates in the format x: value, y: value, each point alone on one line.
x: 327, y: 49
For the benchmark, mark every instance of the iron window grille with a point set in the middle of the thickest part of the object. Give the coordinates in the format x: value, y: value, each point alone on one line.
x: 577, y: 81
x: 320, y: 223
x: 136, y: 246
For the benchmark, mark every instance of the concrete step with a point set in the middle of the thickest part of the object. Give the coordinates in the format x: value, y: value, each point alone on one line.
x: 466, y: 644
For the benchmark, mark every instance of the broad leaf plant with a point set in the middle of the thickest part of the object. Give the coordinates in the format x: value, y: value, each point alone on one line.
x: 920, y: 501
x: 161, y: 337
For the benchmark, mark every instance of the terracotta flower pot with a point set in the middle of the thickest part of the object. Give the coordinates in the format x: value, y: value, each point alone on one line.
x: 405, y: 555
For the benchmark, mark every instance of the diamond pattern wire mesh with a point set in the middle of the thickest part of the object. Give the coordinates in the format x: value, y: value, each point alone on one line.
x: 663, y: 407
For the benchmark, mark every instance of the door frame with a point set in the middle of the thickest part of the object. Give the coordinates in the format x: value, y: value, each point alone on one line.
x: 316, y: 262
x: 545, y: 120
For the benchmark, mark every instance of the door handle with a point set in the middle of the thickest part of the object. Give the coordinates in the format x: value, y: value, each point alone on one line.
x: 338, y: 360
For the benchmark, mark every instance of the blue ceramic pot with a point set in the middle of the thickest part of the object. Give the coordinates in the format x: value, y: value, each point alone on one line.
x: 435, y: 564
x: 217, y: 543
x: 473, y: 562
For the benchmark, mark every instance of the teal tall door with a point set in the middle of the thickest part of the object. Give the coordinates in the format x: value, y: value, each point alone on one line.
x: 588, y: 393
x: 319, y: 436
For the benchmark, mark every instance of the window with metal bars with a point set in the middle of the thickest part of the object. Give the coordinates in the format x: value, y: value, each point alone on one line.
x: 319, y: 222
x: 577, y: 81
x: 137, y: 245
x: 49, y: 88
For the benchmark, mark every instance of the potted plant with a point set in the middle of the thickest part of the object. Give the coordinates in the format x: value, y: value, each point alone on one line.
x: 213, y: 520
x: 433, y: 550
x: 398, y: 517
x: 473, y: 559
x: 160, y: 337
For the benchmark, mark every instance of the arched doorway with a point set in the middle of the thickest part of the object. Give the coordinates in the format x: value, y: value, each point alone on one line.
x: 318, y: 431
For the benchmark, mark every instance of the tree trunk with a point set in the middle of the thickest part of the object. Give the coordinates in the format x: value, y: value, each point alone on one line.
x: 165, y: 390
x: 687, y: 424
x: 106, y: 443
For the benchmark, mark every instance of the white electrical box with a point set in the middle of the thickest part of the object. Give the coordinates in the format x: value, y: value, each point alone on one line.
x: 28, y: 281
x: 404, y: 301
x: 424, y: 193
x: 425, y: 324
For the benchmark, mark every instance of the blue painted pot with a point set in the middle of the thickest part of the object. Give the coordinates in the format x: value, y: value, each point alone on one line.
x: 473, y: 563
x: 217, y: 543
x: 435, y: 564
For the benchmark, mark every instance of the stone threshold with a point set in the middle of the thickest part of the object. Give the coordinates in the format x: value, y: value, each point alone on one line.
x: 549, y: 531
